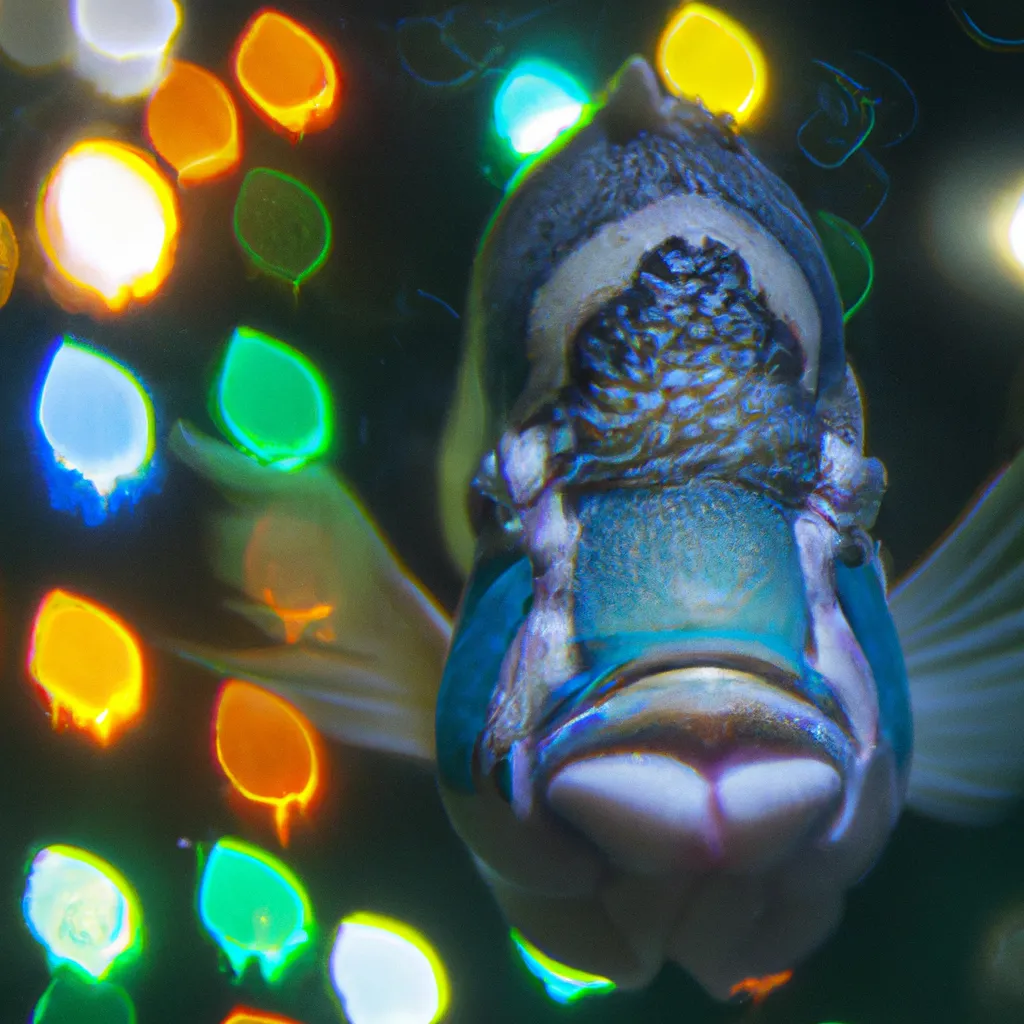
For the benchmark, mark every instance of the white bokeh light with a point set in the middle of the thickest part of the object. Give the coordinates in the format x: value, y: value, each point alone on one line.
x: 96, y: 417
x: 123, y: 45
x: 384, y: 973
x: 108, y: 221
x: 36, y: 34
x: 112, y: 223
x: 1017, y: 233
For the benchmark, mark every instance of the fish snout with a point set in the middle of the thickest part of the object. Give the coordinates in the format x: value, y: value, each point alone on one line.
x: 698, y: 769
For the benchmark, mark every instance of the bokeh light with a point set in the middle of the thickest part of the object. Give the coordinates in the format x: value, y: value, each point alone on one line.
x: 282, y: 226
x: 704, y: 53
x: 851, y: 261
x: 287, y: 74
x: 240, y: 1015
x: 81, y: 910
x: 761, y: 987
x: 192, y: 122
x: 107, y: 220
x: 1016, y: 233
x: 96, y: 419
x: 535, y: 104
x: 10, y: 257
x: 267, y: 749
x: 123, y: 44
x: 563, y: 984
x: 384, y: 971
x: 255, y: 908
x: 271, y: 401
x: 74, y: 998
x: 36, y: 34
x: 87, y: 664
x: 999, y: 964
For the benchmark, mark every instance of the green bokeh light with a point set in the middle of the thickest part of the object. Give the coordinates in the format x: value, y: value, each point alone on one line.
x: 535, y: 104
x: 255, y: 908
x: 850, y: 258
x: 74, y: 999
x: 81, y: 910
x: 282, y: 225
x: 563, y: 984
x: 271, y: 401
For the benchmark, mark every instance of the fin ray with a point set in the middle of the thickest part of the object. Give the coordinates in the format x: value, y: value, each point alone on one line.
x: 361, y: 645
x: 960, y: 619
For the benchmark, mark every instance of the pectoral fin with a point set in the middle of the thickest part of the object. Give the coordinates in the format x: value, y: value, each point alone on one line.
x: 960, y: 619
x: 360, y: 645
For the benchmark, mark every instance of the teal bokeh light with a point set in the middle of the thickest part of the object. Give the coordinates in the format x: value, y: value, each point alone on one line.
x: 563, y: 984
x: 535, y: 104
x: 255, y: 908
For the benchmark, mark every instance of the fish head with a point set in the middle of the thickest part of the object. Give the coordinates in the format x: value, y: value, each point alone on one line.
x: 673, y: 723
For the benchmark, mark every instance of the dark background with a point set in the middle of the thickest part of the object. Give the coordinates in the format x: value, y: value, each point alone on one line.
x: 407, y: 174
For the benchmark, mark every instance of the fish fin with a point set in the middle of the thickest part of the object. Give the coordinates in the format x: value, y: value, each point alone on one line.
x: 462, y: 447
x: 360, y: 644
x: 960, y: 619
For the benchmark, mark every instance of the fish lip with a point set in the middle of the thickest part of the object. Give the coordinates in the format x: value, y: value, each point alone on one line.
x: 765, y: 705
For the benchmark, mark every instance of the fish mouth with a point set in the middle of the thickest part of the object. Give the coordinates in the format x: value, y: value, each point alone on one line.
x: 709, y: 713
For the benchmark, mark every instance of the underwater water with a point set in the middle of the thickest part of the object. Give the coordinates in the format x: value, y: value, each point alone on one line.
x: 408, y: 175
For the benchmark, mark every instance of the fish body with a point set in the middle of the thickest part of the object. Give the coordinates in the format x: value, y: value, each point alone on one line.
x: 680, y: 710
x: 657, y: 729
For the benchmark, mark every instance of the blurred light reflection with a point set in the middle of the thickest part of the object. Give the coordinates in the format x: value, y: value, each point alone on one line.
x: 98, y: 421
x: 81, y: 910
x: 704, y: 53
x: 76, y: 998
x: 107, y: 220
x: 267, y: 750
x: 563, y: 984
x: 123, y: 44
x: 287, y: 74
x: 192, y: 123
x: 87, y: 664
x: 537, y: 102
x: 255, y: 908
x: 383, y: 971
x: 271, y: 401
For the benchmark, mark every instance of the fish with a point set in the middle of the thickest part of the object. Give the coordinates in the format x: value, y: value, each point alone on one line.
x: 680, y: 709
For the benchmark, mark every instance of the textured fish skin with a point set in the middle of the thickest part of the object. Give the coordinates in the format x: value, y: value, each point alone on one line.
x: 658, y: 730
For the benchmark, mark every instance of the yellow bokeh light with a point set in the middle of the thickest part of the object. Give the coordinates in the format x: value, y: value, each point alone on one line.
x: 107, y: 220
x: 704, y: 53
x: 87, y: 664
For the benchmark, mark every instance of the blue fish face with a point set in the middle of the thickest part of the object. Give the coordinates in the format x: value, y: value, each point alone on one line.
x: 674, y: 722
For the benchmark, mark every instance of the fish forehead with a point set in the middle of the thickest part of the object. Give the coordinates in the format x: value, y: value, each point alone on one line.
x: 620, y: 163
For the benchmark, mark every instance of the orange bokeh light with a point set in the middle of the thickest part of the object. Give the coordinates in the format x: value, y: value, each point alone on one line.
x: 759, y: 989
x: 288, y: 75
x: 107, y: 220
x: 192, y: 122
x: 87, y: 664
x: 10, y: 257
x: 242, y: 1016
x: 267, y: 750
